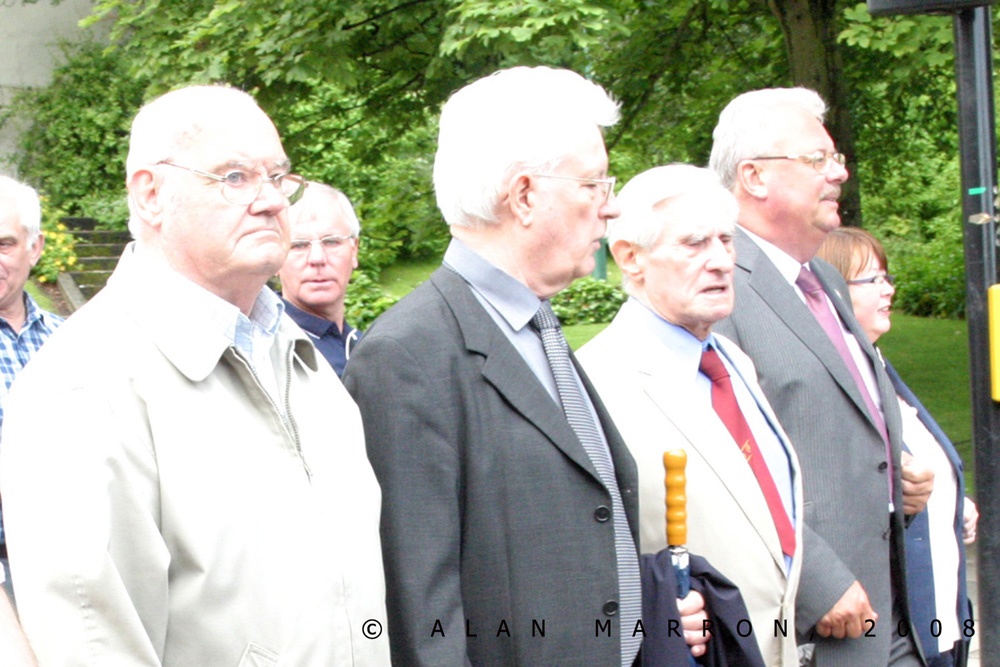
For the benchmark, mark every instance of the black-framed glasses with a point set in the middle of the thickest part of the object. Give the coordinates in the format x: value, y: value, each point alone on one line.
x: 877, y: 279
x: 607, y: 184
x: 328, y: 244
x: 818, y: 160
x: 242, y: 186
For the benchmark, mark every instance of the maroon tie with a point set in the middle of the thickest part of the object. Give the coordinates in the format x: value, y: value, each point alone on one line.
x: 815, y: 299
x: 725, y: 404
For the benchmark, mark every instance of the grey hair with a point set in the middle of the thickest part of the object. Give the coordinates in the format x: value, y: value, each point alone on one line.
x: 523, y: 118
x: 639, y: 222
x: 26, y: 205
x: 309, y: 204
x: 746, y: 127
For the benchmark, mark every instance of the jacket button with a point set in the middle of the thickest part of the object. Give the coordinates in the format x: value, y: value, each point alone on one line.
x: 882, y: 467
x: 610, y: 608
x: 602, y: 514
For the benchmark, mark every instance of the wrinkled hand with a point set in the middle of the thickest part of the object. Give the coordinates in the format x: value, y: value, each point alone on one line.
x: 693, y: 617
x: 918, y: 482
x: 848, y: 618
x: 970, y: 517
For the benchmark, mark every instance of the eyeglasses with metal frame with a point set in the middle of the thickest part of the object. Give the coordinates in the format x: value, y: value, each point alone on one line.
x: 608, y: 184
x: 328, y: 244
x: 877, y: 279
x: 818, y: 160
x: 242, y: 186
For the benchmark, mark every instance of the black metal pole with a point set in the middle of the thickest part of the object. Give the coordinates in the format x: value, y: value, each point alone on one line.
x: 977, y: 145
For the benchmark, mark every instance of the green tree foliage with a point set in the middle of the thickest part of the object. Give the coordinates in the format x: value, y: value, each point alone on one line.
x: 74, y: 144
x: 354, y: 87
x: 908, y: 138
x: 588, y: 301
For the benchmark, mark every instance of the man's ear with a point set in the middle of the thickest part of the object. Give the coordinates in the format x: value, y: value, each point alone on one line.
x: 520, y: 198
x: 144, y: 196
x: 628, y: 256
x: 751, y: 179
x: 35, y: 251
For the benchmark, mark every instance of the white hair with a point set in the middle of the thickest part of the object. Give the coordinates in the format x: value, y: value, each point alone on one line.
x: 26, y: 205
x: 640, y: 223
x: 748, y: 125
x: 172, y: 123
x: 523, y: 118
x: 311, y: 204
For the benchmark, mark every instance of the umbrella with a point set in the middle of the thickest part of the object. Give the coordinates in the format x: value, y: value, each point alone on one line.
x: 672, y: 573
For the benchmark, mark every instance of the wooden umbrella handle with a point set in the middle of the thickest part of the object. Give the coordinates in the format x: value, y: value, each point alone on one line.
x: 675, y: 480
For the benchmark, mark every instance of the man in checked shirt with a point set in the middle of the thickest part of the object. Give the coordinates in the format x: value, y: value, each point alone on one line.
x: 23, y: 325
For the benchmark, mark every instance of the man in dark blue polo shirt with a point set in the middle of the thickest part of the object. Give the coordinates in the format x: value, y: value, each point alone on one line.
x: 324, y: 252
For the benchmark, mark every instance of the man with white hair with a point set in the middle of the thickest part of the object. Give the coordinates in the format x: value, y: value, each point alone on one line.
x: 674, y: 245
x: 198, y: 492
x: 24, y: 327
x: 323, y: 253
x: 510, y: 501
x: 794, y: 318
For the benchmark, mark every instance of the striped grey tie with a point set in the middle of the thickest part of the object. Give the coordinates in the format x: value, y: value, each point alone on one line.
x: 581, y: 416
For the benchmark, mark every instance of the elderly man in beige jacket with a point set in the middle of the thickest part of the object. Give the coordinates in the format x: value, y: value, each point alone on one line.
x: 184, y: 479
x: 674, y: 245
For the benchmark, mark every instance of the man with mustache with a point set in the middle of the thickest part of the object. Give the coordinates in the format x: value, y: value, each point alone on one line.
x: 794, y: 319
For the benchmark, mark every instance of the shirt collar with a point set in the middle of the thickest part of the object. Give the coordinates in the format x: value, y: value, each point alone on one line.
x: 515, y: 302
x: 262, y: 325
x: 313, y: 324
x: 679, y: 349
x: 787, y: 265
x: 33, y: 313
x: 188, y: 324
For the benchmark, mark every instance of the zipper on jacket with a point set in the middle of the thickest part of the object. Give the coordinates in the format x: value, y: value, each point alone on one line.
x: 286, y: 419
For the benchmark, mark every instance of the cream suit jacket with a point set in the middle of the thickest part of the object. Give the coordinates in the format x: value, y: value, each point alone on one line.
x: 728, y: 519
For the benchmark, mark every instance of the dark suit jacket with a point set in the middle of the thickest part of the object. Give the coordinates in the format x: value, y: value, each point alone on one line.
x: 494, y: 520
x: 840, y: 451
x: 919, y: 567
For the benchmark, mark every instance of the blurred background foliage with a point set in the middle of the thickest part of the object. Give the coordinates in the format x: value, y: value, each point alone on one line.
x: 354, y: 87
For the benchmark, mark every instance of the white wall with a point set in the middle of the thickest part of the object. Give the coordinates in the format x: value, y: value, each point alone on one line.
x: 29, y: 48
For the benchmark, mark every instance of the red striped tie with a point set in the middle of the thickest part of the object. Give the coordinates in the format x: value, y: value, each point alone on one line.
x: 725, y: 404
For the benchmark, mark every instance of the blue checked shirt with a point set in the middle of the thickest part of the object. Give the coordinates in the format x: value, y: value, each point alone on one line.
x: 17, y: 347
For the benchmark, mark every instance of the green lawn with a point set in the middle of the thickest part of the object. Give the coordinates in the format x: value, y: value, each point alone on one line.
x: 932, y: 357
x: 400, y: 278
x: 38, y: 295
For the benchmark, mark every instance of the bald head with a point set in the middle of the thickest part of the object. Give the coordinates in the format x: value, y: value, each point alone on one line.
x: 175, y: 124
x: 207, y: 189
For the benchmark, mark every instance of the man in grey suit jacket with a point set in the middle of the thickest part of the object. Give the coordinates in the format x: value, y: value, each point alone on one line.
x: 505, y: 541
x: 774, y: 154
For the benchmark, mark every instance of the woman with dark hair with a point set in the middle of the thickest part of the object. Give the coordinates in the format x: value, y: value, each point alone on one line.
x: 935, y: 538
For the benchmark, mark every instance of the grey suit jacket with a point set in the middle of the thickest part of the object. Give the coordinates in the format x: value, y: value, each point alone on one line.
x: 840, y: 451
x: 495, y: 523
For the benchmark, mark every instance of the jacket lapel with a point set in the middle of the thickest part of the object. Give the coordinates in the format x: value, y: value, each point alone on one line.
x: 829, y: 277
x: 780, y: 297
x: 505, y: 369
x: 706, y: 436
